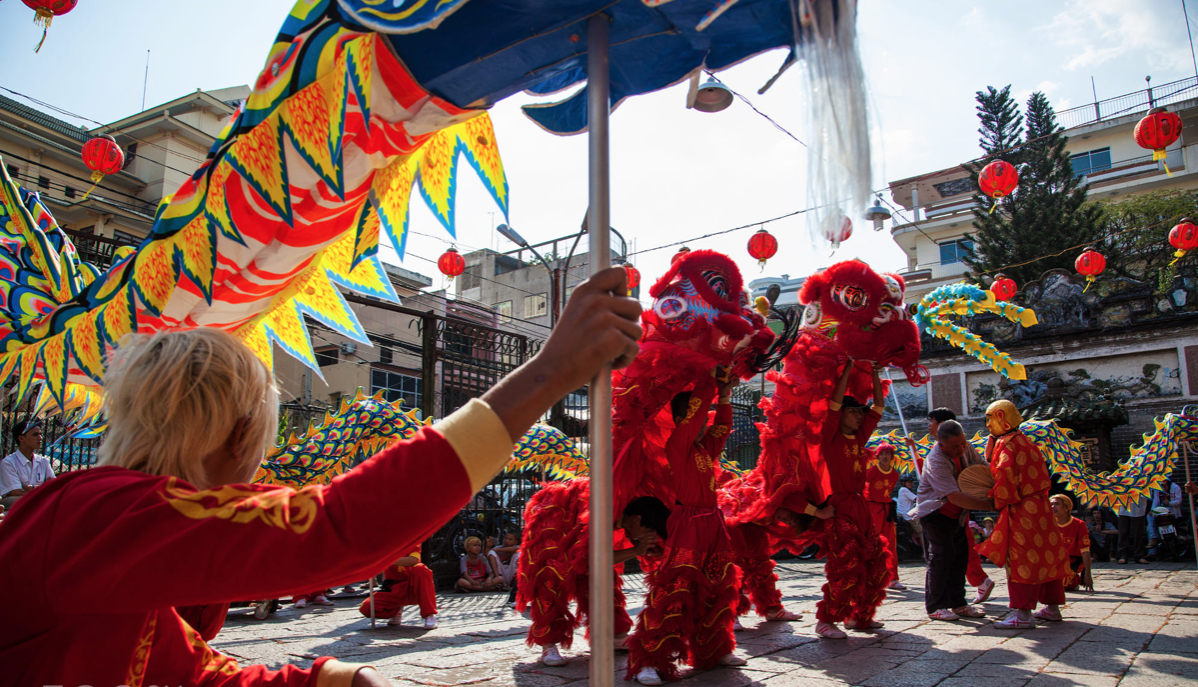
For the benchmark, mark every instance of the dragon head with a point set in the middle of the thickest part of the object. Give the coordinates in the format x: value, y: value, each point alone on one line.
x: 700, y: 304
x: 861, y: 313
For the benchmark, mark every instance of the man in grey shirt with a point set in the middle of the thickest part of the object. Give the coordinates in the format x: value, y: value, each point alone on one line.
x: 944, y: 510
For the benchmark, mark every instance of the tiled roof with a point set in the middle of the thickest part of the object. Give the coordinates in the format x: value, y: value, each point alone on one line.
x: 1066, y: 410
x: 52, y: 123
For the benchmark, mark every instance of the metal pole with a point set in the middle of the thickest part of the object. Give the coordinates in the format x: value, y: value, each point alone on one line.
x: 903, y: 420
x: 371, y: 587
x: 603, y: 663
x: 1185, y: 449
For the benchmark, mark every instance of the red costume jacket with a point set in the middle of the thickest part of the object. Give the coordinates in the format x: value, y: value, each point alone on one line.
x: 1026, y: 537
x: 104, y: 554
x: 879, y: 486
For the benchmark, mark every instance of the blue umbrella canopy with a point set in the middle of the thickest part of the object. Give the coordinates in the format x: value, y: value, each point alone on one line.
x: 483, y: 51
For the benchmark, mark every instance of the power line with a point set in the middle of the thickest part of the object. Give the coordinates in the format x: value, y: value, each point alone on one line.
x: 746, y: 101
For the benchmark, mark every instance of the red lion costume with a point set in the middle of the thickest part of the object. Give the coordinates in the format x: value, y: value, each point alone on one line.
x: 852, y: 313
x: 701, y: 320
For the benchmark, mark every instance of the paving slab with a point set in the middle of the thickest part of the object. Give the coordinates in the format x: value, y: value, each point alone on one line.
x: 1139, y: 629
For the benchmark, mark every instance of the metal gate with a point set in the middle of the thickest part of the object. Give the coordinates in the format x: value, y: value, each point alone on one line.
x: 744, y: 443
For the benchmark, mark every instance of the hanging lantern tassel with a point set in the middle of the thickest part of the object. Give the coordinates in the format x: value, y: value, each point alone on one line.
x: 44, y: 13
x: 42, y: 18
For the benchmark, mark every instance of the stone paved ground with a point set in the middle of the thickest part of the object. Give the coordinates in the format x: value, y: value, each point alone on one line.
x: 1139, y: 629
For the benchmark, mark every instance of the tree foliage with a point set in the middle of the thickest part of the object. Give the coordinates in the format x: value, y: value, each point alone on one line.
x: 1033, y: 229
x: 1135, y: 235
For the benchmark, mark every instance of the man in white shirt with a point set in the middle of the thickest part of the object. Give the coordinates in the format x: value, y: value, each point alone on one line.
x: 23, y: 470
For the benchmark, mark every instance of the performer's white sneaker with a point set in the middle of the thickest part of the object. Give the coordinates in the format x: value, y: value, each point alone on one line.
x: 736, y: 626
x: 430, y: 622
x: 897, y: 585
x: 396, y: 620
x: 302, y: 603
x: 323, y: 600
x: 1014, y: 622
x: 1049, y: 613
x: 984, y: 590
x: 783, y: 614
x: 620, y: 642
x: 829, y: 631
x: 944, y: 614
x: 551, y: 657
x: 851, y: 624
x: 648, y: 676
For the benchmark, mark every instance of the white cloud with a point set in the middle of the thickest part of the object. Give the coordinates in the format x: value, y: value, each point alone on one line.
x: 1095, y: 32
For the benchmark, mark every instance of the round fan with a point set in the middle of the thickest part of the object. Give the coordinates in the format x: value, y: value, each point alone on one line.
x: 976, y: 481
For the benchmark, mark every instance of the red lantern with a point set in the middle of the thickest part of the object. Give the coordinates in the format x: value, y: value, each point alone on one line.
x: 762, y: 246
x: 1091, y: 263
x: 1183, y: 237
x: 45, y: 11
x: 998, y: 179
x: 634, y: 276
x: 1003, y: 288
x: 1157, y: 131
x: 102, y: 156
x: 451, y: 263
x: 680, y: 254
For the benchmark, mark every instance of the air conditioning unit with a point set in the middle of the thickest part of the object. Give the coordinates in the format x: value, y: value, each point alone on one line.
x: 349, y: 348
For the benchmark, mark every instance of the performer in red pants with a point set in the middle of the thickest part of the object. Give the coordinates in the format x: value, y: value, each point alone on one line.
x: 880, y: 480
x: 758, y: 581
x: 409, y: 582
x: 554, y: 565
x: 692, y: 599
x: 858, y: 564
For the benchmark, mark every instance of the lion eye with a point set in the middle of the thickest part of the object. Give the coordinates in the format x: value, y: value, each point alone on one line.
x: 717, y: 283
x: 851, y: 297
x: 670, y: 307
x: 812, y: 315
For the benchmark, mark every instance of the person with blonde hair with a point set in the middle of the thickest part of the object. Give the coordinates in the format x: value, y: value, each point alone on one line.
x: 476, y: 575
x: 167, y: 519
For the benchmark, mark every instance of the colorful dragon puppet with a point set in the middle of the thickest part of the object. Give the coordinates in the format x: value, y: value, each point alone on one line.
x: 291, y: 201
x: 963, y: 300
x: 1148, y: 466
x: 851, y: 314
x: 367, y: 424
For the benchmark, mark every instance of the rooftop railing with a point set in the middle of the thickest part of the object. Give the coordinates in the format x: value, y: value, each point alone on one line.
x: 1131, y: 103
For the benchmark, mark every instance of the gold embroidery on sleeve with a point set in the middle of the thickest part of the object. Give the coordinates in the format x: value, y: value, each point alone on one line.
x: 280, y: 507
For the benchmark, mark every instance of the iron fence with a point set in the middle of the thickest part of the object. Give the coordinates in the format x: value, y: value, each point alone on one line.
x: 744, y: 442
x: 65, y: 454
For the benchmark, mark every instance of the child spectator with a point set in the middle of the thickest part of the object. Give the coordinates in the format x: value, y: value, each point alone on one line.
x: 476, y: 576
x: 504, y: 559
x: 987, y: 528
x: 1077, y: 543
x: 408, y: 582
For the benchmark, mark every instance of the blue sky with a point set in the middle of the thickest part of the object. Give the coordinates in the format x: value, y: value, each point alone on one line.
x: 676, y: 173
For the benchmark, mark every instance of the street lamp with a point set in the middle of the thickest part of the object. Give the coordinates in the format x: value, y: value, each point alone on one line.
x: 512, y: 235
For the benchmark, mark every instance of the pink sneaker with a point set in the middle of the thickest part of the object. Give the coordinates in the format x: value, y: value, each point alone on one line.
x: 783, y: 614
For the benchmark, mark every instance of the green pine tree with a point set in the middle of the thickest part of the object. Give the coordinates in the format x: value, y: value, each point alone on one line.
x: 1047, y: 212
